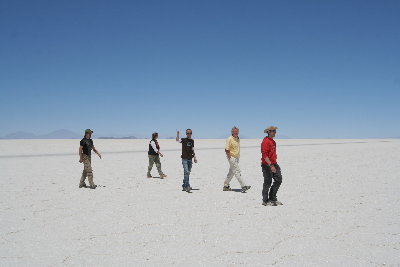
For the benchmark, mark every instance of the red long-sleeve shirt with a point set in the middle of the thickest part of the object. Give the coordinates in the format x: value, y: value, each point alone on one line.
x: 268, y: 149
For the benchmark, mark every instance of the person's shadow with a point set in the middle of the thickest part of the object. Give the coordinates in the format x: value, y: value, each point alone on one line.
x: 237, y: 190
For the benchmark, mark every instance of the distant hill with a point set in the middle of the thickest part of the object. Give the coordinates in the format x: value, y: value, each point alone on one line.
x: 59, y: 134
x: 127, y: 137
x: 67, y: 134
x: 20, y: 135
x: 280, y: 136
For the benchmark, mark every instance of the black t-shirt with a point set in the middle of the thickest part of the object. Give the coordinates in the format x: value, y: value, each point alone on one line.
x: 187, y: 148
x: 87, y: 146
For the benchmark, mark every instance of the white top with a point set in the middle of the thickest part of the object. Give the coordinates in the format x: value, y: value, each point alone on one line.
x: 153, y: 145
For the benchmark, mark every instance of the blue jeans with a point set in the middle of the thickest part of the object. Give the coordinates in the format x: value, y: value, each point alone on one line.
x: 187, y: 167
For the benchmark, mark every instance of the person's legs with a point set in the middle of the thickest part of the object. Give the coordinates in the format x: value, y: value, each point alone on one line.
x: 190, y: 164
x: 277, y: 183
x: 238, y: 173
x: 151, y: 162
x: 87, y: 161
x: 83, y: 178
x: 267, y: 173
x: 186, y: 172
x: 158, y: 165
x: 231, y: 172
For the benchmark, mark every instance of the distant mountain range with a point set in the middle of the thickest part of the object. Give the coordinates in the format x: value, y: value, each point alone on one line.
x: 126, y: 137
x: 59, y: 134
x: 67, y: 134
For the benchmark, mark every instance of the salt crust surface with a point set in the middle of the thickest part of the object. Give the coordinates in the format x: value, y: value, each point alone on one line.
x: 341, y: 206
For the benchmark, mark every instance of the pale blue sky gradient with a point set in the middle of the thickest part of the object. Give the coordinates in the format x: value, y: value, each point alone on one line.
x: 316, y: 69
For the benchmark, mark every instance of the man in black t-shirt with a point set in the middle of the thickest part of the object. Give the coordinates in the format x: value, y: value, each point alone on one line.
x: 187, y: 156
x: 85, y: 149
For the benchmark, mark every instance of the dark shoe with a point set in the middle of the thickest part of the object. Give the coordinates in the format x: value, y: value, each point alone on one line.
x: 163, y: 176
x: 82, y: 185
x: 188, y: 188
x: 149, y: 176
x: 93, y: 186
x: 269, y: 203
x: 245, y: 188
x: 227, y: 188
x: 277, y: 203
x: 184, y: 188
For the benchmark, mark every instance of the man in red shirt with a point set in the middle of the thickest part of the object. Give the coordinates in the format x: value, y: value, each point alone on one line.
x: 270, y: 168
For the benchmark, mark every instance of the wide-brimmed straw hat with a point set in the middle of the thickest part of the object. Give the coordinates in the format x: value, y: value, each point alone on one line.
x: 269, y: 128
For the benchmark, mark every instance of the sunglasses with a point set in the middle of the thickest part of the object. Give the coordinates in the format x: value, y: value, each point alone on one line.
x: 188, y: 133
x: 274, y: 131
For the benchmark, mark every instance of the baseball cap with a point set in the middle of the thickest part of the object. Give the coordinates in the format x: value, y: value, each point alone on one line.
x: 270, y: 128
x: 88, y: 131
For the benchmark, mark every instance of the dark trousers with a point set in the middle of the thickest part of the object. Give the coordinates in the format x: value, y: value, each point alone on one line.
x: 269, y: 192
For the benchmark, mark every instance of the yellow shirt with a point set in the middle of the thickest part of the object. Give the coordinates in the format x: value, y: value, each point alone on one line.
x: 233, y: 145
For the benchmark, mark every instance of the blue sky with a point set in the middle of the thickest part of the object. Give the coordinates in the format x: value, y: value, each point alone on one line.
x: 316, y: 69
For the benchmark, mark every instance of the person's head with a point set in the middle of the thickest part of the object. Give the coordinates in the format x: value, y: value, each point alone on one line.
x: 235, y: 131
x: 189, y: 133
x: 154, y: 136
x: 271, y: 131
x: 88, y: 133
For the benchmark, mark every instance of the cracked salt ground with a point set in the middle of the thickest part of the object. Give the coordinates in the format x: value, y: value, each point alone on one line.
x: 341, y: 206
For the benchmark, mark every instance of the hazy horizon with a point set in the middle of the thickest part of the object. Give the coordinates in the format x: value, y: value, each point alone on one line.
x: 53, y: 135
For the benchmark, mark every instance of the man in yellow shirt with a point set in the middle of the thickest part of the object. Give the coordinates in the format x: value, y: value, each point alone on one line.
x: 232, y: 150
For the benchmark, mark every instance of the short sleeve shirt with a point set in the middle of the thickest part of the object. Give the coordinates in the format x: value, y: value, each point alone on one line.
x: 187, y: 148
x: 233, y: 145
x: 87, y: 146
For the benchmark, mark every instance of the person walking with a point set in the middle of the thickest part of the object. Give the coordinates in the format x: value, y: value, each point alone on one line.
x: 85, y: 148
x: 187, y: 156
x: 232, y: 150
x: 154, y: 156
x: 270, y: 168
